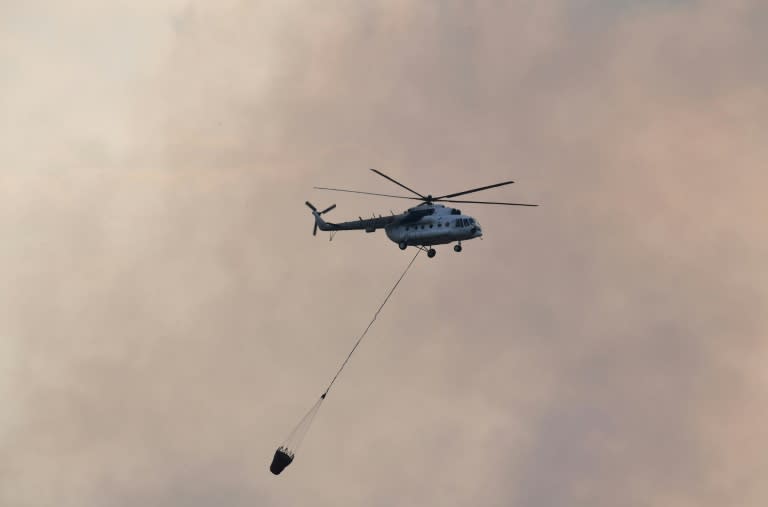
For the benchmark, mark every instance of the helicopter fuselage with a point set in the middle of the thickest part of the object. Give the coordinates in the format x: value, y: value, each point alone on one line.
x: 443, y: 225
x: 422, y: 226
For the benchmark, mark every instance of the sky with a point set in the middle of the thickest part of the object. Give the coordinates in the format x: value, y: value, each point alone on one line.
x: 167, y: 316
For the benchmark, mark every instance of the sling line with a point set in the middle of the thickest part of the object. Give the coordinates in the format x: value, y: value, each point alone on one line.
x: 285, y: 453
x: 391, y: 291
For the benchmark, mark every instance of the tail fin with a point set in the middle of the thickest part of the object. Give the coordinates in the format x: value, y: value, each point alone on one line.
x: 319, y: 221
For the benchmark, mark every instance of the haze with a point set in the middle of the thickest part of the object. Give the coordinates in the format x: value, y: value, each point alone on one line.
x: 166, y: 315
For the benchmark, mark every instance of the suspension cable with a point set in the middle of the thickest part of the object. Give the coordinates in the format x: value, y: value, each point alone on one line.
x: 391, y: 291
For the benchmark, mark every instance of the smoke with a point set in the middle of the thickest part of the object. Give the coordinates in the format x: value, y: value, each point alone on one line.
x: 168, y: 316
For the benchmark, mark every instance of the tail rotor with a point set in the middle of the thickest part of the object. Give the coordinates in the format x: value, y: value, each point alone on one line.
x: 318, y: 214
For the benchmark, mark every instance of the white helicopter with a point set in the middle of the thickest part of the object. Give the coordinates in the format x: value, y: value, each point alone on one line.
x: 422, y: 226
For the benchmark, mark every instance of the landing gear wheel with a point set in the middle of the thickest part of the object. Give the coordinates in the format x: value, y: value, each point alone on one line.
x: 403, y: 245
x: 457, y: 248
x: 431, y: 252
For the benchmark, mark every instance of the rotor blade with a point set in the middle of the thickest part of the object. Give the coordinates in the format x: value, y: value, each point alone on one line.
x: 310, y: 205
x: 314, y: 230
x: 397, y: 183
x: 367, y: 193
x: 475, y: 190
x: 329, y: 208
x: 488, y: 202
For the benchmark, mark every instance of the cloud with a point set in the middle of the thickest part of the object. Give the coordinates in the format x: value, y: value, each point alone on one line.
x: 169, y: 316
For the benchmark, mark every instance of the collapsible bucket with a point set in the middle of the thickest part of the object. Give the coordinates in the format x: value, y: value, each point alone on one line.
x: 282, y: 459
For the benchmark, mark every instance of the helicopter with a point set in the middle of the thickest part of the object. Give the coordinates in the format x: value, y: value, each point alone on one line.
x: 427, y: 224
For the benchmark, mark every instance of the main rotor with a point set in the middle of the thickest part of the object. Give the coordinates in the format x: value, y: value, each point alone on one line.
x: 429, y: 199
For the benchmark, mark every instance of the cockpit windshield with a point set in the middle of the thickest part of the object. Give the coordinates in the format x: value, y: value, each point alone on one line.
x: 464, y: 222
